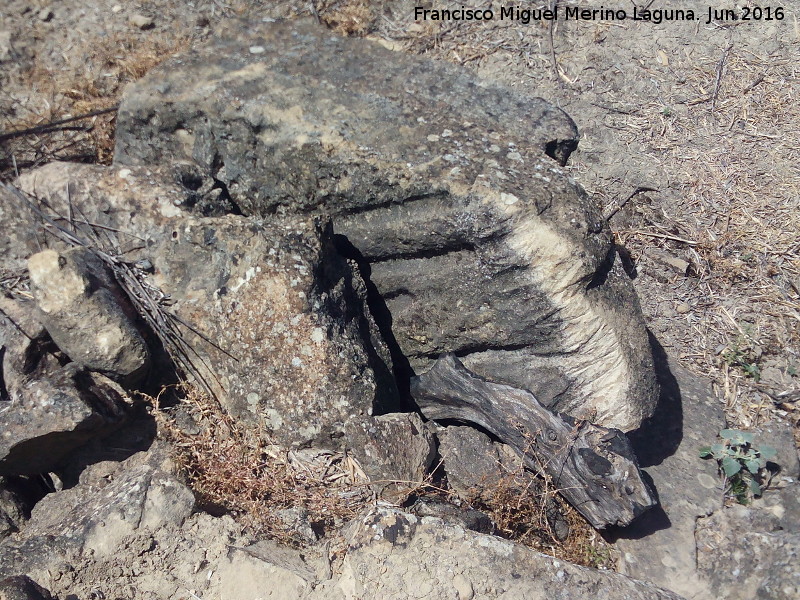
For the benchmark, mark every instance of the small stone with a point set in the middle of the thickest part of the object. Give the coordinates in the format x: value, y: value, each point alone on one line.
x: 463, y: 587
x: 141, y: 21
x: 5, y: 46
x: 668, y: 261
x: 46, y: 14
x: 257, y: 50
x: 117, y: 8
x: 683, y: 308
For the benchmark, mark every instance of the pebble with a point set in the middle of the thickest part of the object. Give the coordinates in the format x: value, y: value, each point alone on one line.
x: 141, y: 21
x: 463, y: 587
x: 683, y: 308
x: 5, y: 46
x: 257, y: 49
x: 117, y: 8
x: 46, y: 14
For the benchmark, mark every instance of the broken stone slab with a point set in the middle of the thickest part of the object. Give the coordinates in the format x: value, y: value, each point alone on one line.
x: 444, y: 188
x: 21, y: 587
x: 93, y: 517
x: 312, y: 91
x: 470, y: 459
x: 752, y: 552
x: 392, y: 554
x: 275, y: 318
x: 87, y: 314
x: 396, y: 450
x: 278, y: 324
x: 594, y: 468
x: 476, y: 465
x: 48, y: 417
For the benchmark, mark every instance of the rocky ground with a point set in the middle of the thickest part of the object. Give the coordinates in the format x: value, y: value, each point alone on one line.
x: 688, y: 145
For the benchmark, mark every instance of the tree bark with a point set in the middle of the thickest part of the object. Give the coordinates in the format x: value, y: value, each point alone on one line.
x: 594, y: 468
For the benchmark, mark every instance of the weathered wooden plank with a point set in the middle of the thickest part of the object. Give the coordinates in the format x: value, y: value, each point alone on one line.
x: 594, y: 468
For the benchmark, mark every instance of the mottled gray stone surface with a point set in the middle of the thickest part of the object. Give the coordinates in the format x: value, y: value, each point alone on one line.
x: 446, y: 188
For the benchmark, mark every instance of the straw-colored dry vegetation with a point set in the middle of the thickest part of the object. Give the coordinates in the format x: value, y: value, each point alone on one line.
x: 238, y: 471
x: 525, y: 509
x: 233, y: 470
x: 106, y: 64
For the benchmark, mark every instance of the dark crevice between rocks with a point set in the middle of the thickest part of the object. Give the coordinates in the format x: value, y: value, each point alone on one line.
x: 225, y: 198
x: 402, y: 370
x: 4, y: 396
x: 603, y: 269
x: 440, y: 251
x: 27, y: 489
x: 560, y: 150
x: 435, y: 195
x: 206, y: 195
x: 39, y: 348
x: 136, y: 435
x: 478, y: 348
x: 627, y: 262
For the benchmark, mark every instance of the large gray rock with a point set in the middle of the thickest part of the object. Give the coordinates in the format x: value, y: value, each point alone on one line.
x: 446, y: 185
x: 283, y: 322
x: 275, y: 317
x: 753, y: 552
x: 142, y: 494
x: 392, y: 554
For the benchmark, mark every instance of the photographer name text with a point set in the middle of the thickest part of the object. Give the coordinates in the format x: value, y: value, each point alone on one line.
x: 575, y: 13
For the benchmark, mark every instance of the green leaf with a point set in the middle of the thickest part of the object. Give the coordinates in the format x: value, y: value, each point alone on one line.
x: 737, y: 436
x: 718, y: 450
x: 730, y: 466
x: 753, y: 466
x: 755, y: 488
x: 706, y: 452
x: 767, y: 452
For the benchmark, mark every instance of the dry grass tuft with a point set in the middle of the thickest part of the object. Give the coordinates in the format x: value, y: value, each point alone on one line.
x: 232, y: 470
x: 527, y: 509
x: 105, y: 66
x: 347, y: 17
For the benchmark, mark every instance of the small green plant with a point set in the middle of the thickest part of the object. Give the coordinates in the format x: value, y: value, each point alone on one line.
x: 740, y: 354
x: 741, y: 463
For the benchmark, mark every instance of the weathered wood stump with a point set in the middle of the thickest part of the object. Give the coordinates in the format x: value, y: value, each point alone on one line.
x: 594, y: 468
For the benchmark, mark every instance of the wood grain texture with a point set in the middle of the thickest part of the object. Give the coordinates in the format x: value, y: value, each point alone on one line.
x: 594, y: 468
